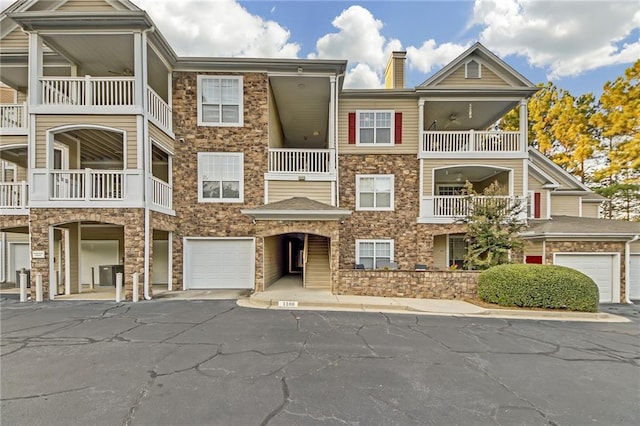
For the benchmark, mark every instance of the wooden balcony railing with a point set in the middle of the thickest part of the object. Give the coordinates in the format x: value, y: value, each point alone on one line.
x: 87, y: 184
x: 161, y: 193
x: 284, y: 160
x: 457, y: 206
x: 88, y: 91
x: 471, y: 141
x: 13, y: 117
x: 13, y: 195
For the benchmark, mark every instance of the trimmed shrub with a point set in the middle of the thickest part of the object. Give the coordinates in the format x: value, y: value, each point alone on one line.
x: 538, y: 286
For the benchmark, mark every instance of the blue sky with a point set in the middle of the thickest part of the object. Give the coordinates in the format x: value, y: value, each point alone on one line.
x: 578, y: 44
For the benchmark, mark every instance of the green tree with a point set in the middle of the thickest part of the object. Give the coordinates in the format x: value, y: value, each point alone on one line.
x: 493, y: 224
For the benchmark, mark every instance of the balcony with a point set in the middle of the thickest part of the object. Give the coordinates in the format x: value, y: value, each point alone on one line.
x: 471, y: 143
x: 308, y: 163
x: 93, y: 95
x: 13, y: 119
x: 449, y: 208
x: 13, y: 197
x: 161, y: 194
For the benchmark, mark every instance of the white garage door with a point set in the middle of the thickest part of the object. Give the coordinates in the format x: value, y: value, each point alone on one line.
x: 634, y: 274
x: 219, y: 263
x: 600, y: 267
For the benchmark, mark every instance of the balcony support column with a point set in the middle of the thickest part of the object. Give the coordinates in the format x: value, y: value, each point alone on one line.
x: 524, y: 127
x: 332, y: 105
x: 35, y: 68
x: 421, y: 124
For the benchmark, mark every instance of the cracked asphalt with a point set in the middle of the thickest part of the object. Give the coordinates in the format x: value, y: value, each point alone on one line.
x: 214, y: 363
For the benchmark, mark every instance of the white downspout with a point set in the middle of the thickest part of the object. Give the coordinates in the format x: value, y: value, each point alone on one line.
x: 3, y: 257
x: 335, y: 137
x: 627, y: 264
x: 147, y: 157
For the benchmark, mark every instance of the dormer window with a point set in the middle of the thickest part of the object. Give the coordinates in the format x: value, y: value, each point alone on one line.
x: 472, y: 69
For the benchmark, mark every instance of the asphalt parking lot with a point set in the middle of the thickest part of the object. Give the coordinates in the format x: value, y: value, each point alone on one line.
x: 186, y: 362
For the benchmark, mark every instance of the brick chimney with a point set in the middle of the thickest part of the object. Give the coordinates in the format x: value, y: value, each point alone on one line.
x: 394, y: 73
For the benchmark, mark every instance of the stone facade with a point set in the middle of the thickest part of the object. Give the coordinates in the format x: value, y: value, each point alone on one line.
x: 552, y: 247
x: 132, y: 221
x: 195, y: 219
x: 416, y: 284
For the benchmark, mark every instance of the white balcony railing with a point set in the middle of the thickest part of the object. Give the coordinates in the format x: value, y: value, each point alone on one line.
x: 161, y: 193
x: 159, y: 110
x: 13, y: 195
x: 457, y: 206
x: 471, y: 141
x: 88, y: 91
x: 13, y: 117
x: 87, y: 184
x: 283, y: 160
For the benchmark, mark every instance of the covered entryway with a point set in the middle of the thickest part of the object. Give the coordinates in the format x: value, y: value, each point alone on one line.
x: 219, y: 263
x: 603, y: 268
x: 634, y: 277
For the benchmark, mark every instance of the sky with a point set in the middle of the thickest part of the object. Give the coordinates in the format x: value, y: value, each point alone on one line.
x: 579, y: 45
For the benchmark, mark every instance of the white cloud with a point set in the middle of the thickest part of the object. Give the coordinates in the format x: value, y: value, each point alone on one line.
x: 565, y: 37
x: 359, y: 40
x: 429, y: 56
x: 218, y: 28
x: 362, y: 76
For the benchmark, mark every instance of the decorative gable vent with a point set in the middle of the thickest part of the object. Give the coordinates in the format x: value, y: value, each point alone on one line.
x: 472, y: 69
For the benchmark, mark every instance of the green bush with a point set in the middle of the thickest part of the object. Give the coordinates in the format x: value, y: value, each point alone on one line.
x: 538, y: 286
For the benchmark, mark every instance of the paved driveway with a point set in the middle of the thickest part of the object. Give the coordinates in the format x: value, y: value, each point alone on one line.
x: 213, y: 363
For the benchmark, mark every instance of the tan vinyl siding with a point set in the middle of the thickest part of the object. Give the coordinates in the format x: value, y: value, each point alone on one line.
x: 440, y: 252
x: 634, y: 247
x: 488, y: 78
x: 7, y: 95
x: 273, y: 259
x: 15, y: 40
x: 161, y: 137
x: 408, y: 108
x: 74, y: 256
x: 285, y: 189
x: 567, y: 205
x: 119, y: 122
x: 533, y: 248
x: 22, y: 97
x: 13, y: 140
x: 536, y: 186
x: 21, y: 174
x: 590, y: 209
x: 86, y: 6
x: 276, y: 137
x: 511, y: 163
x: 14, y: 237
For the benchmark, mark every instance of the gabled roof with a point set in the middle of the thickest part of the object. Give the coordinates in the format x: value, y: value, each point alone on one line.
x: 484, y: 53
x: 566, y: 180
x: 571, y: 226
x: 297, y: 208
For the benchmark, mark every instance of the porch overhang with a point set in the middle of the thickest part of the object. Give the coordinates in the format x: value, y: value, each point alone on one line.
x: 297, y: 208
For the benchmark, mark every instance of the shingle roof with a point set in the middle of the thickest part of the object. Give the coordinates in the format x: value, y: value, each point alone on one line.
x: 570, y: 225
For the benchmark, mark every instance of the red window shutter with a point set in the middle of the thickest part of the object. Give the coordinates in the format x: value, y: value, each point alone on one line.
x: 398, y: 128
x: 536, y: 205
x: 352, y: 127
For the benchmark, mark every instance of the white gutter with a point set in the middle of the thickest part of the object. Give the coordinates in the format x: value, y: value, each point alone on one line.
x: 335, y: 137
x: 627, y: 264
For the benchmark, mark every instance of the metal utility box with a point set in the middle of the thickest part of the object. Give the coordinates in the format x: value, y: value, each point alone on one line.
x: 108, y: 274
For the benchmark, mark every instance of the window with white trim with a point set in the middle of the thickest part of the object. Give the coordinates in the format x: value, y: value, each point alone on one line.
x: 373, y: 252
x: 220, y: 177
x: 473, y: 69
x: 450, y: 189
x: 374, y: 192
x: 374, y: 127
x: 220, y: 100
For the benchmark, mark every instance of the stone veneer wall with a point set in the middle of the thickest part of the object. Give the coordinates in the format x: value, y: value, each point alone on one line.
x: 131, y: 219
x: 413, y: 242
x: 194, y: 219
x: 588, y: 247
x: 14, y: 221
x: 415, y: 284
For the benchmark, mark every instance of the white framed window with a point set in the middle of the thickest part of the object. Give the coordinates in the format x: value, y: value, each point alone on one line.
x: 374, y: 192
x: 458, y: 248
x: 220, y: 177
x: 374, y: 127
x: 371, y: 253
x: 220, y: 101
x: 473, y: 69
x: 449, y: 189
